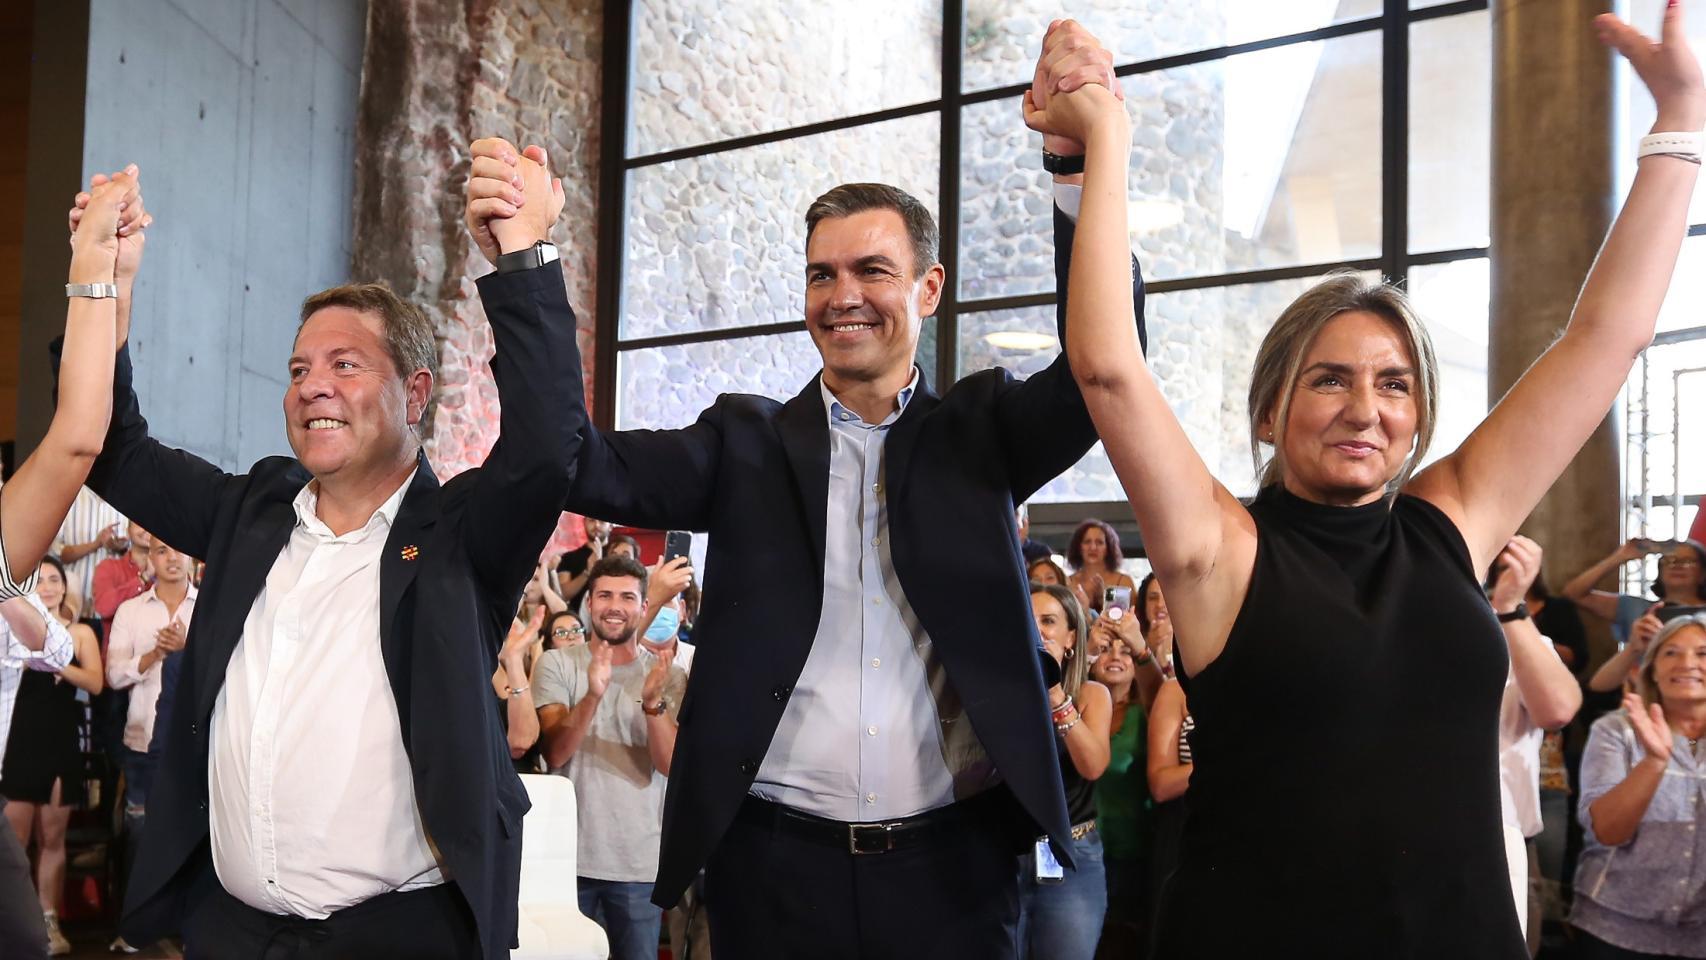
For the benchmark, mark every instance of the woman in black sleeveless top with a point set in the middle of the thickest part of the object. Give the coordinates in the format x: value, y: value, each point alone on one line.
x: 1345, y: 668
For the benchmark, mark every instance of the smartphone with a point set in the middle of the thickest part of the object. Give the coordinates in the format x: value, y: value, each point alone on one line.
x: 1670, y: 612
x: 677, y: 543
x: 1115, y: 602
x: 1048, y: 868
x: 1657, y: 546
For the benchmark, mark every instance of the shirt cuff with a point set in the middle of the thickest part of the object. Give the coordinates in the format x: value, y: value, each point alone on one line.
x: 1068, y: 197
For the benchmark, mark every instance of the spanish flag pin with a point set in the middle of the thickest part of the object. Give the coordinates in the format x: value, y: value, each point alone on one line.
x: 411, y: 552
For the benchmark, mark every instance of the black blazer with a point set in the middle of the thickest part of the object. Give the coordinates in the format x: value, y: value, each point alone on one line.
x: 443, y: 615
x: 755, y: 474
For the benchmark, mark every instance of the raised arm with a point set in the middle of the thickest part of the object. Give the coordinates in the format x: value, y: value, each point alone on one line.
x: 35, y: 502
x: 1492, y: 482
x: 1201, y: 540
x: 1548, y: 690
x: 1582, y: 591
x: 562, y: 727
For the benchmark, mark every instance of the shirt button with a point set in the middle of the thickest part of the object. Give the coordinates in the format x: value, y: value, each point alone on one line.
x: 872, y: 798
x: 876, y: 662
x: 876, y: 541
x: 876, y: 601
x: 872, y: 731
x: 876, y: 488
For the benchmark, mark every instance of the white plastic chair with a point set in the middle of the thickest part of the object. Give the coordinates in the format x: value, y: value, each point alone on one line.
x: 552, y: 926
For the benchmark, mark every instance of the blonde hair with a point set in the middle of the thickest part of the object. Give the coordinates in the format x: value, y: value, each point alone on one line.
x: 1279, y: 362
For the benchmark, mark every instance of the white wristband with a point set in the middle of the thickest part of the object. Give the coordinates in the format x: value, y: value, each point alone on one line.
x: 1683, y: 146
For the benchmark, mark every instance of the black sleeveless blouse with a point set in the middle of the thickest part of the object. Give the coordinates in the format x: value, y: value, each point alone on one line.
x: 1345, y: 798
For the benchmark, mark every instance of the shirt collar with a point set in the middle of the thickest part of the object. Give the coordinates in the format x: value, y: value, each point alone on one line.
x: 152, y: 594
x: 309, y: 498
x: 840, y: 414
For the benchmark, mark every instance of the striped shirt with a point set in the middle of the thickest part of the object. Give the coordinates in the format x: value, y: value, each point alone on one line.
x: 89, y: 519
x: 54, y: 654
x: 10, y: 588
x: 1185, y: 738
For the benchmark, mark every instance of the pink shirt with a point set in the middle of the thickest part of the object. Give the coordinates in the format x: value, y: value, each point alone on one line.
x: 134, y: 626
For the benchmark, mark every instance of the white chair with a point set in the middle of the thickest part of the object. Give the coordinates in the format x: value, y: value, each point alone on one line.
x: 552, y: 926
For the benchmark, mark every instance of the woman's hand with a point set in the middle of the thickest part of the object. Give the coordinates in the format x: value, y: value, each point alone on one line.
x: 1075, y: 115
x: 1643, y: 630
x: 521, y: 636
x: 1668, y: 68
x: 1126, y: 630
x: 1648, y: 722
x: 96, y: 226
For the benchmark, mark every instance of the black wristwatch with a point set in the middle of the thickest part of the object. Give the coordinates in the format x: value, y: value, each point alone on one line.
x: 1520, y: 613
x: 527, y: 258
x: 1062, y: 166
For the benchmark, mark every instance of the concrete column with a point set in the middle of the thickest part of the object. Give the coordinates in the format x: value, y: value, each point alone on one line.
x: 1553, y: 199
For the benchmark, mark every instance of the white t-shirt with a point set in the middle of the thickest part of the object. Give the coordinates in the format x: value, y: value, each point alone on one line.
x: 1519, y: 760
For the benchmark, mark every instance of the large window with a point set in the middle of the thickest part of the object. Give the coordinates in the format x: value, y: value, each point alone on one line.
x: 1665, y: 404
x: 1274, y: 143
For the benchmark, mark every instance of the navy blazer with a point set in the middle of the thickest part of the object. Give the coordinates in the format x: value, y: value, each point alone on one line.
x: 754, y: 473
x: 443, y: 611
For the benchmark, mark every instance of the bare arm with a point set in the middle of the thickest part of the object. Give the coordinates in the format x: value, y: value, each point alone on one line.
x: 1087, y: 742
x: 84, y: 672
x: 1616, y: 815
x: 1613, y: 673
x: 1548, y: 690
x: 1493, y: 481
x: 27, y: 624
x: 1168, y: 778
x: 548, y: 589
x: 561, y: 729
x: 1581, y: 589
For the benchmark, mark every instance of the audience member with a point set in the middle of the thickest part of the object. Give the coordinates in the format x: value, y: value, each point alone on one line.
x: 1033, y: 550
x: 622, y: 545
x: 1558, y: 620
x: 1640, y: 886
x: 145, y: 630
x: 1047, y: 571
x: 1540, y: 695
x: 540, y: 594
x: 577, y: 563
x: 521, y: 650
x: 1358, y: 627
x: 43, y: 772
x: 660, y: 628
x: 607, y: 720
x: 1157, y: 626
x: 562, y: 630
x: 1094, y: 555
x: 119, y: 578
x: 1682, y: 580
x: 1060, y: 912
x: 92, y: 534
x: 1122, y: 794
x: 1168, y: 773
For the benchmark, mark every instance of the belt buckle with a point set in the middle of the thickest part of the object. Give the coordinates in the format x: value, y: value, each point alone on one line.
x: 867, y: 838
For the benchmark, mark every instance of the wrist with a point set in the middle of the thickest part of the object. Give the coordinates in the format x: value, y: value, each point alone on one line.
x: 1680, y: 119
x: 91, y: 268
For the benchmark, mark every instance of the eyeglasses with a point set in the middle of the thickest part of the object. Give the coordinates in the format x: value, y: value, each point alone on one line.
x: 567, y: 631
x: 1678, y: 562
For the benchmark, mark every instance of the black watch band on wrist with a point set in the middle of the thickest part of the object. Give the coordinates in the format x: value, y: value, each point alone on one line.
x: 527, y: 258
x: 1062, y: 166
x: 1520, y: 613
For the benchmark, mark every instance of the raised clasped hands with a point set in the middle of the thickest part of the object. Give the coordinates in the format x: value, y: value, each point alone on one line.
x: 107, y: 223
x: 513, y: 201
x: 1071, y: 59
x: 1668, y: 68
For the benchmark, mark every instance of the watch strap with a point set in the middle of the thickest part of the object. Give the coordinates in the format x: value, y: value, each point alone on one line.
x: 1520, y: 613
x: 527, y: 258
x: 1062, y: 165
x: 94, y: 291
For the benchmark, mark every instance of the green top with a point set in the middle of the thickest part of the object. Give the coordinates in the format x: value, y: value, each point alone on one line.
x: 1122, y: 794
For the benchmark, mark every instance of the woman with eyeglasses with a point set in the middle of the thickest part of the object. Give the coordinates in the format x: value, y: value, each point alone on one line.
x: 1681, y: 583
x: 561, y: 630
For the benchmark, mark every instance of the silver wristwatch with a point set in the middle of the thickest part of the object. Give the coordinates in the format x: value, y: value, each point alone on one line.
x: 537, y: 255
x: 94, y: 291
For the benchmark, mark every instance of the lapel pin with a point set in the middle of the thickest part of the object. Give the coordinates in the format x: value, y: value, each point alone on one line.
x: 411, y: 552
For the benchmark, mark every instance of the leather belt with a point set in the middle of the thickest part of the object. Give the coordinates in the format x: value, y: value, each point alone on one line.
x: 863, y: 839
x: 1082, y: 830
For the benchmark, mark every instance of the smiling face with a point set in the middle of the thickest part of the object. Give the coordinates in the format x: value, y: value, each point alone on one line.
x: 1679, y: 668
x: 347, y: 411
x: 615, y: 605
x: 1051, y: 620
x: 50, y: 586
x: 1112, y: 665
x: 864, y: 298
x: 1154, y: 604
x: 1352, y: 418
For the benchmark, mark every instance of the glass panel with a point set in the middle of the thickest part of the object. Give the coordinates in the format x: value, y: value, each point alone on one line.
x: 1666, y: 389
x: 1004, y: 37
x: 1636, y: 103
x: 1452, y: 299
x: 705, y: 71
x: 667, y: 387
x: 719, y: 241
x: 1451, y: 70
x: 1685, y: 303
x: 1262, y: 160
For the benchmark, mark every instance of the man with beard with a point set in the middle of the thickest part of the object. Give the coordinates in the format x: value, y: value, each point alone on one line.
x: 607, y: 712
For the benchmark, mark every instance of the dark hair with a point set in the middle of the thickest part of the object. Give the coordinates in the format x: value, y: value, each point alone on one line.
x: 408, y: 333
x: 1141, y: 602
x: 550, y: 624
x: 621, y: 538
x: 1048, y: 562
x: 616, y: 567
x: 851, y: 198
x: 1075, y: 549
x: 70, y: 598
x: 1700, y: 583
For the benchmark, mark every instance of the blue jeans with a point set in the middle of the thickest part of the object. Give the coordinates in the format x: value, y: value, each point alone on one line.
x: 626, y: 913
x: 1063, y: 921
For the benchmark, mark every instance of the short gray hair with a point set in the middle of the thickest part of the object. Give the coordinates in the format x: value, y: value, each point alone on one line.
x: 851, y: 198
x: 1279, y: 362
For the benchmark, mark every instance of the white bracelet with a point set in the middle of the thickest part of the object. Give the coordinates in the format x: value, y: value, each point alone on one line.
x: 1683, y: 146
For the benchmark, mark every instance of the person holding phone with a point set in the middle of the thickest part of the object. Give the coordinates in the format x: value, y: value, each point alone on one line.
x: 1344, y: 604
x: 1094, y: 555
x: 1681, y: 585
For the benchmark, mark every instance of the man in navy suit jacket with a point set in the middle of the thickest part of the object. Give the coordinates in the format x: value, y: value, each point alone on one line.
x: 865, y: 746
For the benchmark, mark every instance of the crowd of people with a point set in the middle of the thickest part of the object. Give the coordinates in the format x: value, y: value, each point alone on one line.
x: 1346, y: 716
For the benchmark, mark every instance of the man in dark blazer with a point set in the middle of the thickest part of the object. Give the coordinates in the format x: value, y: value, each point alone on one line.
x: 335, y: 781
x: 865, y: 745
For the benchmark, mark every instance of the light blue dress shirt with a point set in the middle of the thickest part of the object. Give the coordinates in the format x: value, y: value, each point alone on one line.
x: 872, y: 731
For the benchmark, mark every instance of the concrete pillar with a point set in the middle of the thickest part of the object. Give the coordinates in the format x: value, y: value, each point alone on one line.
x: 1553, y: 198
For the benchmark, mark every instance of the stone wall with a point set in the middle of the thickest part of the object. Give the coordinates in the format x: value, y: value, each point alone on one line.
x: 441, y: 74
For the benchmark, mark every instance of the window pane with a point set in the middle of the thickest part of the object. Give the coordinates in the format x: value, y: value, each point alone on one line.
x: 1262, y: 160
x: 1003, y: 37
x: 1666, y: 437
x: 1685, y: 303
x: 719, y: 241
x: 705, y: 71
x: 1451, y: 69
x: 1636, y: 103
x: 1452, y: 299
x: 667, y: 387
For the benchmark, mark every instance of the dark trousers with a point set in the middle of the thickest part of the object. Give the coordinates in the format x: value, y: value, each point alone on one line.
x: 424, y: 924
x: 1590, y: 947
x: 22, y: 933
x: 774, y: 895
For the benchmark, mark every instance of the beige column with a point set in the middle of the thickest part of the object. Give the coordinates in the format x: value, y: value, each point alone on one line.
x: 1553, y: 200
